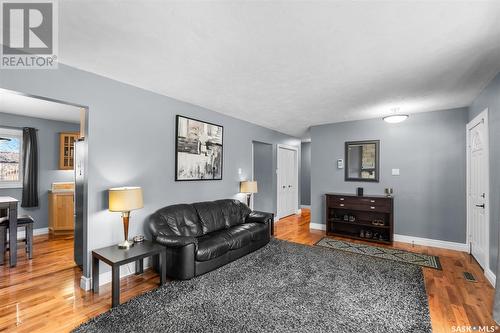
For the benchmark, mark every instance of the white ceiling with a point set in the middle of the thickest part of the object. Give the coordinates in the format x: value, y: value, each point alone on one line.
x: 22, y: 105
x: 289, y: 65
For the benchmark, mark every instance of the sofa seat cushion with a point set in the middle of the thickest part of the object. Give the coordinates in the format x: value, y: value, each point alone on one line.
x: 238, y: 237
x: 212, y: 245
x: 258, y: 231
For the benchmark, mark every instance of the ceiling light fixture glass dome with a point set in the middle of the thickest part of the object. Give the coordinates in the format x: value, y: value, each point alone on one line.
x: 396, y: 118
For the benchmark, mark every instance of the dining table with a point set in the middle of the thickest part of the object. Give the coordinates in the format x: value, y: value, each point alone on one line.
x: 10, y: 204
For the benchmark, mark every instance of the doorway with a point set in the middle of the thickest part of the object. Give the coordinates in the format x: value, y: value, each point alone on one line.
x: 478, y: 188
x: 287, y: 163
x: 263, y: 200
x: 61, y: 139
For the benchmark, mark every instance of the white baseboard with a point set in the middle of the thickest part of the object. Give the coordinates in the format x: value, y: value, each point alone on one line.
x: 21, y: 234
x: 305, y: 206
x: 317, y: 226
x: 125, y: 270
x: 490, y: 276
x: 462, y: 247
x: 85, y: 283
x: 276, y: 219
x: 298, y: 211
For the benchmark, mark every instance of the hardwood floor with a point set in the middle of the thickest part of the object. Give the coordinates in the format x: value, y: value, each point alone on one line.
x: 43, y: 295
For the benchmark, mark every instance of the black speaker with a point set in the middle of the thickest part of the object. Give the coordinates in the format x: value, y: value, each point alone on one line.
x: 360, y: 191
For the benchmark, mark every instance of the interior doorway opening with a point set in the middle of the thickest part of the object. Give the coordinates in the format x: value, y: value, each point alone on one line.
x: 263, y: 173
x: 56, y: 178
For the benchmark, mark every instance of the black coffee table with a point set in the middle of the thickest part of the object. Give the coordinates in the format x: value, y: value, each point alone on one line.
x: 116, y: 257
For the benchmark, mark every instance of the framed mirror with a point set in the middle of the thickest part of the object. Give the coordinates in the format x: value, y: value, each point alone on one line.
x: 362, y: 161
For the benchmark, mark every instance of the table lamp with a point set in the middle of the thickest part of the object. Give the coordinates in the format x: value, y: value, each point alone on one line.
x: 248, y: 187
x: 125, y: 200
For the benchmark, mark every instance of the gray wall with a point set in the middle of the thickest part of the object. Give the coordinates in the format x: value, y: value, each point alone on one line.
x: 131, y: 141
x: 263, y: 170
x: 48, y: 161
x: 305, y: 174
x: 428, y: 148
x: 490, y: 98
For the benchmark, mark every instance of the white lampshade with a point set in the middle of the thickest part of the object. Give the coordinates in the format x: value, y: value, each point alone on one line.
x: 125, y: 199
x: 248, y: 186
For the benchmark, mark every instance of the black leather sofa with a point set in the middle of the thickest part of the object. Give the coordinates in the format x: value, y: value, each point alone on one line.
x: 202, y: 236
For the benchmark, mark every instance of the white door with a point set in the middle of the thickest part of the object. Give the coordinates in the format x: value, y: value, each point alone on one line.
x: 478, y: 204
x: 287, y: 182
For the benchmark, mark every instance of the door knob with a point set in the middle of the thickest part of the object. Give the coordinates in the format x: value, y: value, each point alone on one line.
x: 284, y: 186
x: 481, y: 206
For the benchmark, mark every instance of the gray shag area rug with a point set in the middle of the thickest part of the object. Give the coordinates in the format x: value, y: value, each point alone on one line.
x: 424, y: 260
x: 283, y: 287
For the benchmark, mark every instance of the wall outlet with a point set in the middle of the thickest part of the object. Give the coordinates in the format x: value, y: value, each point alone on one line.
x: 239, y: 171
x: 395, y: 172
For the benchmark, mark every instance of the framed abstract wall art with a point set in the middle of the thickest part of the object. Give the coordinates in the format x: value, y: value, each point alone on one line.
x: 198, y: 150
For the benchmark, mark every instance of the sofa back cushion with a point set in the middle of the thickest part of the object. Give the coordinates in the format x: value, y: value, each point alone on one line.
x: 234, y: 211
x: 180, y: 220
x: 211, y: 217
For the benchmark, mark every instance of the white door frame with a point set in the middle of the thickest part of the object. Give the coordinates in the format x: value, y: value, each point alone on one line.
x: 483, y: 116
x: 296, y: 201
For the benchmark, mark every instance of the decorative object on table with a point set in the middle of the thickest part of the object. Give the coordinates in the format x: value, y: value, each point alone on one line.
x: 365, y: 300
x: 359, y: 191
x: 388, y: 192
x: 248, y: 187
x: 125, y: 200
x: 352, y: 218
x: 362, y: 160
x: 198, y: 150
x: 419, y: 259
x: 138, y: 239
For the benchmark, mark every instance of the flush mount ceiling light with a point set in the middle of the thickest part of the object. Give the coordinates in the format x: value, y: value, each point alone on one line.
x: 397, y: 118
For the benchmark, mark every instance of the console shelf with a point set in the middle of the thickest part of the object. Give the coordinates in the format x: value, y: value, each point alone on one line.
x: 365, y: 210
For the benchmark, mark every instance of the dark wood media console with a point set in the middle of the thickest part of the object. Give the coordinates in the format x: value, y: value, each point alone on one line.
x: 368, y: 218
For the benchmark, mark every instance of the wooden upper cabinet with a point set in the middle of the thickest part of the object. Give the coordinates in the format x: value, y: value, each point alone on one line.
x: 67, y: 149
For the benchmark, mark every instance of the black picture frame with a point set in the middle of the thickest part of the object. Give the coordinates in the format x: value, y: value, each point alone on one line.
x: 377, y: 161
x: 177, y: 179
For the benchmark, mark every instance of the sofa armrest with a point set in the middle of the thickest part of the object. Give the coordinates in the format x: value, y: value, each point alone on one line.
x: 176, y: 241
x: 259, y: 217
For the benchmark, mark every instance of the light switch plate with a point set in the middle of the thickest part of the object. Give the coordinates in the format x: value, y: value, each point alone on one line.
x: 340, y: 163
x: 395, y: 172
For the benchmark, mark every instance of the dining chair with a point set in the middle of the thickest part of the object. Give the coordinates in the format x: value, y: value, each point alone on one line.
x: 25, y: 221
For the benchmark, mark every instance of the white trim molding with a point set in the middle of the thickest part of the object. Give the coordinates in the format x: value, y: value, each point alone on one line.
x: 21, y: 234
x: 490, y: 276
x: 462, y: 247
x: 317, y: 226
x: 105, y: 277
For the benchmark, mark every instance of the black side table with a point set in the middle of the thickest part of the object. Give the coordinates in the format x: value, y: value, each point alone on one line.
x: 116, y: 257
